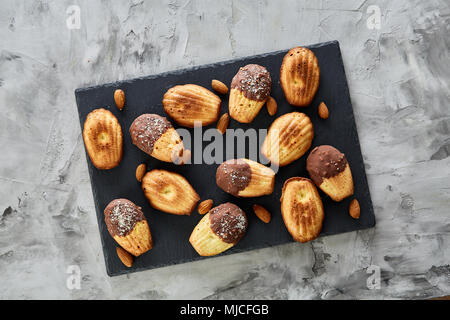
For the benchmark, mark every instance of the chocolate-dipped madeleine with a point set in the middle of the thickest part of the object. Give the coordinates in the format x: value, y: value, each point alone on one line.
x: 302, y: 209
x: 219, y: 230
x: 330, y: 171
x: 288, y: 138
x: 169, y: 192
x: 126, y: 223
x: 156, y: 136
x: 245, y: 178
x: 190, y: 104
x: 250, y: 89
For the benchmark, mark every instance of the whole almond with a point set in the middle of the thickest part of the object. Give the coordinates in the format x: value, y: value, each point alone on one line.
x: 222, y: 124
x: 140, y: 171
x: 354, y: 209
x: 262, y: 213
x: 219, y: 86
x: 323, y: 111
x: 119, y: 98
x: 271, y: 106
x: 205, y: 206
x: 124, y: 256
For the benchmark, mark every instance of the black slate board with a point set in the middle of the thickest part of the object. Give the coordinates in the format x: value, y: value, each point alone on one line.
x: 170, y: 232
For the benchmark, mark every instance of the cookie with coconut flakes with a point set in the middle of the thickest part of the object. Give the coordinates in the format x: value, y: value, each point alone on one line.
x: 126, y: 223
x: 250, y: 89
x: 219, y: 230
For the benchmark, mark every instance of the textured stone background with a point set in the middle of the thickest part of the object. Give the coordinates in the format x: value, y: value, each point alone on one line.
x: 399, y: 78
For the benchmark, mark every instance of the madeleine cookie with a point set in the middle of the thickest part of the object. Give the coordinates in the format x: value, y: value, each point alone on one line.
x: 127, y: 225
x: 102, y: 135
x: 169, y: 192
x: 190, y: 103
x: 245, y: 178
x: 288, y: 138
x: 156, y: 136
x: 302, y: 209
x: 250, y: 89
x: 299, y: 76
x: 330, y: 171
x: 219, y: 230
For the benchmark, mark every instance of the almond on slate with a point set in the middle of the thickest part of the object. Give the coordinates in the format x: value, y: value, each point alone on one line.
x: 222, y: 124
x: 354, y: 209
x: 140, y: 171
x: 271, y: 106
x: 205, y: 206
x: 124, y: 256
x: 219, y: 86
x: 119, y: 98
x: 323, y: 111
x: 262, y: 213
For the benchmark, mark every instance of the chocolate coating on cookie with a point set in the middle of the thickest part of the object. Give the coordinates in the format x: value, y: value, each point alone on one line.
x: 325, y: 162
x: 147, y: 129
x: 121, y: 215
x: 228, y: 222
x: 233, y: 176
x: 254, y: 81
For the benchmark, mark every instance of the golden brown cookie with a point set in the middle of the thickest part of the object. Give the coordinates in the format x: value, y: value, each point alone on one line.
x: 156, y: 136
x: 299, y: 76
x: 102, y: 135
x: 219, y: 230
x: 245, y: 178
x: 169, y: 192
x: 288, y: 138
x: 190, y: 103
x: 302, y: 209
x: 330, y: 171
x: 250, y: 89
x: 127, y: 225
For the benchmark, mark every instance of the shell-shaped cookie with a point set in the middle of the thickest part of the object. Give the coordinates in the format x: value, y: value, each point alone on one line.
x: 127, y: 225
x: 169, y: 192
x: 288, y: 138
x: 245, y: 178
x: 299, y: 76
x: 102, y: 135
x: 156, y: 136
x: 243, y: 109
x: 302, y: 209
x: 219, y: 230
x: 330, y: 171
x: 250, y: 89
x: 190, y: 103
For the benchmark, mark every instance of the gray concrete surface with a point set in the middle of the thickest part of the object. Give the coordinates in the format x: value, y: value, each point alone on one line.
x: 399, y: 77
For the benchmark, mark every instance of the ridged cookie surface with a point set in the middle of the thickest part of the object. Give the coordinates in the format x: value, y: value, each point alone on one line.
x: 102, y: 135
x: 330, y: 171
x: 190, y: 103
x: 169, y: 192
x: 288, y: 138
x: 299, y: 76
x: 127, y: 225
x: 302, y: 209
